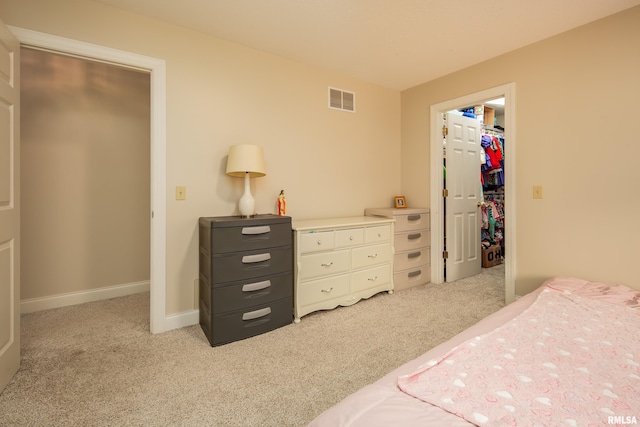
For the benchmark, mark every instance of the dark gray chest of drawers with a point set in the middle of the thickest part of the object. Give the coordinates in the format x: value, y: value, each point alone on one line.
x: 246, y: 276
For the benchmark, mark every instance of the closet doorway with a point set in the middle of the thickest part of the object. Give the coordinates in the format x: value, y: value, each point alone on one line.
x: 85, y: 165
x: 438, y: 206
x: 158, y: 321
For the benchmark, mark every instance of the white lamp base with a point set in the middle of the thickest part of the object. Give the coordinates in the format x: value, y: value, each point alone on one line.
x: 247, y: 204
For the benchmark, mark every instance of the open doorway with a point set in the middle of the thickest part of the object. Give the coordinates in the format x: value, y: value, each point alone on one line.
x: 473, y: 192
x: 85, y: 163
x: 437, y: 181
x: 157, y: 68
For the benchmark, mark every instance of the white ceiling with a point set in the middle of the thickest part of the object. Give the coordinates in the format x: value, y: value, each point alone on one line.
x: 394, y: 43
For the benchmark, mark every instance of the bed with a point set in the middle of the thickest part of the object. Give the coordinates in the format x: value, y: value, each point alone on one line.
x: 567, y: 354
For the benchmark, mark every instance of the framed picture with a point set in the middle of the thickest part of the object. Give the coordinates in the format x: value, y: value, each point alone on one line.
x: 400, y: 202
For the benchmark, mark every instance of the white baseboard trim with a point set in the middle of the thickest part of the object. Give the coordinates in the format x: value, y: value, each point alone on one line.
x: 72, y: 298
x: 180, y: 320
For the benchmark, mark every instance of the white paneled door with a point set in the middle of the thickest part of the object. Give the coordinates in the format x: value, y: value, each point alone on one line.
x: 463, y: 217
x: 9, y: 205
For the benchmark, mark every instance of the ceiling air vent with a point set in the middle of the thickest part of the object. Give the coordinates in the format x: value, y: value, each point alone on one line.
x: 342, y: 100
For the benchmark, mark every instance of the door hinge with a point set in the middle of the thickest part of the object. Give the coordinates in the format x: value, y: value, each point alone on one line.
x: 445, y: 254
x: 445, y: 131
x: 445, y: 192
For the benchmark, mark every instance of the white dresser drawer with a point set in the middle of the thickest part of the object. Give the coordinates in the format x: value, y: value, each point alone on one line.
x: 406, y: 219
x: 412, y: 221
x: 317, y: 241
x: 411, y: 259
x: 413, y: 277
x: 410, y: 240
x: 317, y: 291
x: 377, y: 234
x: 349, y: 237
x: 370, y: 278
x: 316, y: 265
x: 368, y: 256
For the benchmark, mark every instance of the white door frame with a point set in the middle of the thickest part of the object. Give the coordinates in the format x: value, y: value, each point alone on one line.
x: 436, y: 177
x: 157, y: 68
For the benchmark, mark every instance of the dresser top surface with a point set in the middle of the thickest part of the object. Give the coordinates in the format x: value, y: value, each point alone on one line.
x: 395, y: 211
x: 238, y: 221
x: 330, y: 223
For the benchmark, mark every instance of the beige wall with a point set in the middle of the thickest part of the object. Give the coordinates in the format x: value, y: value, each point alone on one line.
x: 575, y: 94
x: 329, y: 163
x: 577, y: 100
x: 85, y: 165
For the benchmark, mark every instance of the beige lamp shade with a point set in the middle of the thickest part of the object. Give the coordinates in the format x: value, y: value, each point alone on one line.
x: 246, y: 159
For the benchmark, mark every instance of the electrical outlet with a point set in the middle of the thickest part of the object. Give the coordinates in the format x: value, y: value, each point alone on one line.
x: 181, y: 193
x: 537, y: 191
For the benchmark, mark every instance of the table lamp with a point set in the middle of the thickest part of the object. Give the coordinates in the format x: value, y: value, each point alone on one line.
x: 246, y: 161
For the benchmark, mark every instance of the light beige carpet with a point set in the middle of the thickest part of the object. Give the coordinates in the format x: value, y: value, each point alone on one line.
x: 97, y: 364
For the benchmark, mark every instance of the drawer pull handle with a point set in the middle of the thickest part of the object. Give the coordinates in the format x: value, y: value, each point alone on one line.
x: 326, y: 264
x: 251, y: 287
x: 414, y: 255
x: 373, y: 256
x: 415, y: 273
x: 250, y: 259
x: 350, y: 237
x: 414, y: 217
x: 319, y: 242
x: 256, y: 314
x: 373, y: 279
x: 414, y: 236
x: 379, y: 234
x: 326, y: 291
x: 256, y: 230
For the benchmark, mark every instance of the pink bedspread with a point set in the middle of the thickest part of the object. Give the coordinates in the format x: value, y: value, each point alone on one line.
x: 568, y: 360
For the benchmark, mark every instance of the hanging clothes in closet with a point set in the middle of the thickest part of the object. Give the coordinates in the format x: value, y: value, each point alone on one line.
x: 492, y: 179
x: 492, y: 221
x: 493, y: 167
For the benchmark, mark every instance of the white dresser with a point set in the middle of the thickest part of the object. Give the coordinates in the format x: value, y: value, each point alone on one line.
x: 412, y: 242
x: 339, y: 261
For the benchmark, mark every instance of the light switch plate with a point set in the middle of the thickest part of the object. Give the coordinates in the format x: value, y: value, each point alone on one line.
x: 537, y: 191
x: 181, y: 193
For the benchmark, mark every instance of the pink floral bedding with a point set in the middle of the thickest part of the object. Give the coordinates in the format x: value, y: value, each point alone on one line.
x: 567, y: 360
